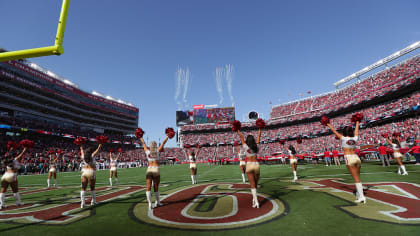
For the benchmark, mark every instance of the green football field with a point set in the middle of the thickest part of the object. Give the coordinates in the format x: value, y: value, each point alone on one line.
x: 320, y: 203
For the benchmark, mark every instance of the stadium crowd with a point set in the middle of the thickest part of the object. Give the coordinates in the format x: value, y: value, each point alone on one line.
x: 376, y: 85
x: 217, y: 140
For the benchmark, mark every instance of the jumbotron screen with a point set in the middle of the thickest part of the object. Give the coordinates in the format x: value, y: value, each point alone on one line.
x: 205, y: 115
x: 214, y: 115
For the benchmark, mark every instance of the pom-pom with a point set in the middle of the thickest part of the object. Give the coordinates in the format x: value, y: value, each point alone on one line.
x: 198, y: 145
x: 26, y: 143
x: 236, y: 125
x: 170, y: 132
x: 59, y: 151
x: 260, y: 123
x: 282, y: 141
x: 396, y: 134
x: 79, y: 141
x: 299, y: 140
x: 119, y: 149
x: 187, y: 146
x: 50, y: 152
x: 325, y: 120
x: 12, y: 144
x: 336, y: 137
x: 357, y: 117
x: 385, y: 135
x: 111, y: 150
x: 139, y: 133
x: 235, y: 143
x: 102, y: 139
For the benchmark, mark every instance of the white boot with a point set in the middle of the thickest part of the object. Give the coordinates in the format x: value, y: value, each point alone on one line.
x: 55, y: 183
x: 243, y: 178
x: 157, y: 203
x: 359, y: 189
x: 48, y: 183
x: 82, y: 199
x: 255, y: 203
x: 18, y: 202
x: 93, y: 194
x: 295, y: 176
x: 195, y: 179
x: 110, y: 182
x: 149, y: 199
x: 399, y: 170
x: 404, y: 172
x: 2, y: 201
x: 192, y: 179
x: 116, y: 180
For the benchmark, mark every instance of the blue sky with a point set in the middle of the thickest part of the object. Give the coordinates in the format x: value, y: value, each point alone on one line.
x: 131, y: 49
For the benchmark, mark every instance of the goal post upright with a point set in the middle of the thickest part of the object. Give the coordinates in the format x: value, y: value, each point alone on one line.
x: 56, y: 49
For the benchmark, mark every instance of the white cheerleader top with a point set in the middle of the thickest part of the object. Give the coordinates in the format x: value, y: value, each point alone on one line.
x: 91, y: 163
x: 290, y: 153
x: 191, y: 158
x: 349, y: 142
x: 113, y: 162
x: 15, y: 165
x: 248, y: 152
x: 241, y: 155
x: 150, y: 158
x: 395, y: 147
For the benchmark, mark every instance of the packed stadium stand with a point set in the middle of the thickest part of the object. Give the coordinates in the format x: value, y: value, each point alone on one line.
x: 36, y: 98
x: 51, y: 112
x: 389, y: 100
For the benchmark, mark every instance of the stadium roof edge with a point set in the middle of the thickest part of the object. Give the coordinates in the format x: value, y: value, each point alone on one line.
x: 70, y: 83
x: 383, y: 61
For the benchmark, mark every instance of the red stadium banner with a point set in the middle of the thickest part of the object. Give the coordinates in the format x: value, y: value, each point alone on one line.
x: 198, y: 106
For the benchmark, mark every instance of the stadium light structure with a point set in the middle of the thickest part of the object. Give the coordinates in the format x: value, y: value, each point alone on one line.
x: 379, y: 63
x: 56, y: 49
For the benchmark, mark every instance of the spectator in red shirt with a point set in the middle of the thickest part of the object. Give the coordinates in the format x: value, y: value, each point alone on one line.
x: 327, y: 157
x: 383, y: 154
x: 336, y: 159
x: 416, y: 151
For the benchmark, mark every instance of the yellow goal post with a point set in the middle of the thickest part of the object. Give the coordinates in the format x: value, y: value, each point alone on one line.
x: 56, y: 49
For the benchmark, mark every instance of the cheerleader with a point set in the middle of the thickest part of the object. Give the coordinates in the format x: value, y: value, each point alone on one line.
x: 242, y: 163
x: 348, y: 143
x: 153, y: 173
x: 396, y: 146
x: 12, y: 164
x: 113, y: 169
x: 283, y: 159
x: 52, y: 169
x: 293, y: 160
x: 88, y: 173
x: 250, y: 148
x: 192, y: 157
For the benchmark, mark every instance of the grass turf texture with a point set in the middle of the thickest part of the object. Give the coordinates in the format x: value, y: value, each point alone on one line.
x: 308, y: 212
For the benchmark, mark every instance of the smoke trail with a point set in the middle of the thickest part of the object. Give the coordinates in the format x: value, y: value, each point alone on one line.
x: 219, y: 85
x: 187, y: 76
x: 229, y: 79
x: 178, y: 83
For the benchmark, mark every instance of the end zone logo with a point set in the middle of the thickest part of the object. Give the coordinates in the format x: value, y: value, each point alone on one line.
x: 393, y: 202
x: 60, y: 210
x: 210, y: 206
